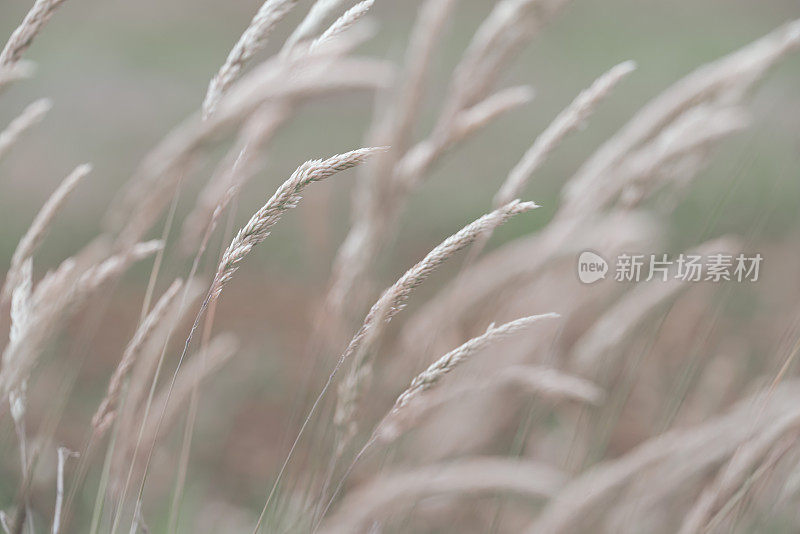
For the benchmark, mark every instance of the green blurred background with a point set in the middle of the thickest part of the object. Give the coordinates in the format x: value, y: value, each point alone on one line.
x: 122, y: 74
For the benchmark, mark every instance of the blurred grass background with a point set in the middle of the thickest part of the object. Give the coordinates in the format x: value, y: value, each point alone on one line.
x: 121, y: 74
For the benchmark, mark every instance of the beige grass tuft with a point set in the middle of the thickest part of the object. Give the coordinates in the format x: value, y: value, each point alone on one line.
x: 431, y: 376
x: 391, y: 302
x: 31, y: 25
x: 342, y: 24
x: 41, y: 224
x: 30, y: 116
x: 251, y: 41
x: 286, y: 197
x: 569, y: 120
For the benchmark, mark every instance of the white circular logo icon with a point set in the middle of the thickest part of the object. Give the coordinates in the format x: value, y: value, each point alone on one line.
x: 591, y: 267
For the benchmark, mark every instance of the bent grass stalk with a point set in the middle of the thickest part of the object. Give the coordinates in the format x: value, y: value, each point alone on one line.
x: 30, y: 116
x: 254, y: 232
x: 342, y: 24
x: 83, y: 465
x: 391, y: 302
x: 212, y: 224
x: 30, y: 27
x: 36, y: 232
x: 191, y: 417
x: 251, y: 41
x: 431, y: 376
